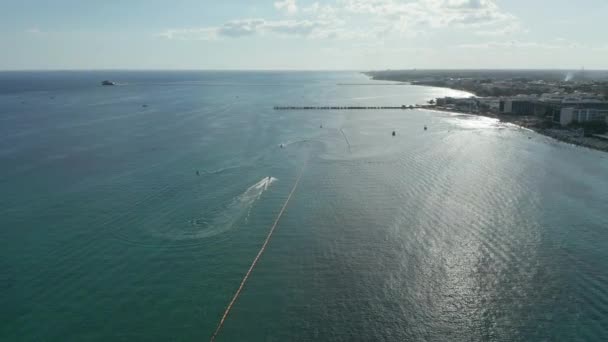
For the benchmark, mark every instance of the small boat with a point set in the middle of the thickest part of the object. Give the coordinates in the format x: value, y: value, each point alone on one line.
x: 108, y: 83
x: 394, y: 133
x: 425, y: 128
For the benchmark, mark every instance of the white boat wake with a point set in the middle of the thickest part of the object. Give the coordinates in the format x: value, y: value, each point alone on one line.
x: 225, y: 219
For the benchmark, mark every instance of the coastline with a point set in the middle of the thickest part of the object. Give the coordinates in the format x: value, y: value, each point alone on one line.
x: 536, y: 124
x: 533, y: 123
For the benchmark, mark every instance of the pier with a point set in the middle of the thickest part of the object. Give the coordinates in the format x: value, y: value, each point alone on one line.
x: 345, y: 107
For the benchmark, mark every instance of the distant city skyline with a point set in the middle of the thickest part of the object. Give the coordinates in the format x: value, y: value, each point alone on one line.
x: 304, y: 34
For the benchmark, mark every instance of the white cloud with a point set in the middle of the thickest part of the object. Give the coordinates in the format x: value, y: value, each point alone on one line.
x: 554, y: 44
x: 250, y: 27
x: 356, y: 19
x: 34, y: 31
x: 291, y: 27
x: 239, y: 28
x: 289, y: 6
x: 468, y: 3
x: 502, y: 30
x: 432, y: 14
x: 191, y: 34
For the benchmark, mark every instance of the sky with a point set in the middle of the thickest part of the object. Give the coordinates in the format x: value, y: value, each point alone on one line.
x: 303, y: 34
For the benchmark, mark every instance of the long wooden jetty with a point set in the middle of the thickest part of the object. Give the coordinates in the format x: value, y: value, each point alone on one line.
x: 344, y: 107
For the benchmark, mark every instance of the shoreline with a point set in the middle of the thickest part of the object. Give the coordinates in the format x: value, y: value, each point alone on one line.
x: 532, y: 123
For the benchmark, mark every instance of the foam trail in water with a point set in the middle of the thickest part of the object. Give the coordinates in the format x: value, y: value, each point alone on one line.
x: 289, y: 143
x: 221, y: 170
x: 226, y: 219
x: 259, y: 187
x: 255, y: 191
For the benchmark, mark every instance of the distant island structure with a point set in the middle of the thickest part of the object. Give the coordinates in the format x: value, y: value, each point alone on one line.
x: 108, y: 83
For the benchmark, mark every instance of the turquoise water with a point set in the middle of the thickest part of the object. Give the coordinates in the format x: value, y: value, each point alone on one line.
x: 469, y: 231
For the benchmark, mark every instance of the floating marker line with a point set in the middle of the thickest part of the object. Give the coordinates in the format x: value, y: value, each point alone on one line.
x: 257, y: 258
x: 345, y: 138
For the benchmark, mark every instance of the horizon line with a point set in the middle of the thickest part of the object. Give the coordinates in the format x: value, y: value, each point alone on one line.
x: 293, y: 70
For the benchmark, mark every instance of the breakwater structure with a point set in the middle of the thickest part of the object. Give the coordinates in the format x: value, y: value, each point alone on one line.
x: 346, y: 107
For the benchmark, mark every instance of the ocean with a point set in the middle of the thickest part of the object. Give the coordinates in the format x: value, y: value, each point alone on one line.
x: 132, y: 213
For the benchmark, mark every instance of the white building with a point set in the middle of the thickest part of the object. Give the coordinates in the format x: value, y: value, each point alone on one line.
x: 570, y: 114
x: 552, y: 97
x: 583, y: 102
x: 493, y: 103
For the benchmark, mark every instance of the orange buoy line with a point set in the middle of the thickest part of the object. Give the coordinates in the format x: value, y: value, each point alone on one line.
x: 257, y: 258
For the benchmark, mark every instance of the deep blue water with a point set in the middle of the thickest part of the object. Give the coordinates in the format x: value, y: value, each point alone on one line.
x: 469, y: 231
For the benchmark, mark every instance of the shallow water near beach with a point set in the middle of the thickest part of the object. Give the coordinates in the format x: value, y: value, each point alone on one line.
x: 468, y: 231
